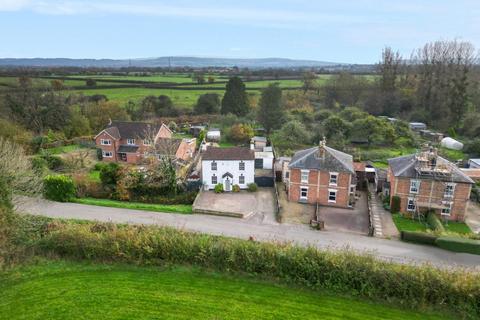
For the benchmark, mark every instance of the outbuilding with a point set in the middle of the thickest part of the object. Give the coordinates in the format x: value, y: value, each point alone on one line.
x: 213, y: 135
x: 451, y: 143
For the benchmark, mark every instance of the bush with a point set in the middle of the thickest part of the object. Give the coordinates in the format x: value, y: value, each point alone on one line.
x: 39, y: 165
x: 395, y: 206
x: 110, y: 174
x: 58, y: 188
x: 339, y: 271
x: 418, y: 237
x: 236, y: 188
x: 252, y: 187
x: 99, y: 154
x: 99, y: 165
x: 459, y: 244
x: 218, y: 188
x: 54, y: 163
x: 434, y: 223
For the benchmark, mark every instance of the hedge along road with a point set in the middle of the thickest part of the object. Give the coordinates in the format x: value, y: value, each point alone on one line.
x: 391, y: 250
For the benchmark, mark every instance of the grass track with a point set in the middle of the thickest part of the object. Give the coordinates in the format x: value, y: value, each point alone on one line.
x: 68, y: 290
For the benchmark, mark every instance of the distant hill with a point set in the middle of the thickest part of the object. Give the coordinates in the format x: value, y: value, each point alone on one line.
x: 194, y: 62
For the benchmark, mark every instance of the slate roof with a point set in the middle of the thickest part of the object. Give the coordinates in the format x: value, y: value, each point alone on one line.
x: 404, y: 166
x: 234, y: 153
x: 131, y: 129
x: 334, y: 160
x: 125, y: 148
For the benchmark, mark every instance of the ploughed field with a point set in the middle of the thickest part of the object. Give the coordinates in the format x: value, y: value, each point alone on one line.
x: 72, y: 290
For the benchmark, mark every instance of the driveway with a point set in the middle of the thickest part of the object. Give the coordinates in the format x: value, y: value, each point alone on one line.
x: 255, y: 206
x: 390, y: 250
x: 354, y: 220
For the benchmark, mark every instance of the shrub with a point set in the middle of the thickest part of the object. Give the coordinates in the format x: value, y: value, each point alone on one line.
x: 218, y: 188
x: 54, y: 163
x: 418, y: 237
x: 434, y: 223
x: 110, y: 174
x: 99, y: 154
x: 39, y: 165
x: 58, y: 188
x: 236, y: 188
x: 99, y: 165
x: 252, y: 187
x: 395, y: 206
x: 457, y: 244
x: 339, y: 271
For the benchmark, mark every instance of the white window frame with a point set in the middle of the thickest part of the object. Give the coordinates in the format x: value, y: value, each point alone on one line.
x: 411, y: 207
x: 334, y: 191
x: 416, y: 184
x: 105, y: 142
x: 104, y: 154
x: 302, y: 173
x: 131, y: 142
x: 303, y: 188
x: 147, y: 142
x: 287, y: 174
x: 447, y: 212
x: 334, y: 178
x: 241, y: 166
x: 213, y: 166
x: 216, y: 179
x: 240, y: 178
x: 449, y: 194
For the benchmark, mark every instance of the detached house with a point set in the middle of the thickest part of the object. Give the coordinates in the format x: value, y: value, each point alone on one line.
x: 321, y: 175
x: 228, y: 166
x: 426, y: 181
x: 131, y: 142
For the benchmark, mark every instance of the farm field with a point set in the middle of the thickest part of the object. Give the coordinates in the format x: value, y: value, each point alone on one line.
x: 186, y: 98
x: 173, y: 78
x: 73, y: 290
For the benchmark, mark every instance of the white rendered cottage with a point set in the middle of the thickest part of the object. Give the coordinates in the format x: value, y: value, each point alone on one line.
x: 228, y: 166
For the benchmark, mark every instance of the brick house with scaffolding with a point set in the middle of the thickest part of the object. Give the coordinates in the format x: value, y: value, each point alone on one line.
x: 425, y: 181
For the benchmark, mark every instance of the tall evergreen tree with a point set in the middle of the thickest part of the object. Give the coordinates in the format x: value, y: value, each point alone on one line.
x: 271, y: 112
x: 235, y: 99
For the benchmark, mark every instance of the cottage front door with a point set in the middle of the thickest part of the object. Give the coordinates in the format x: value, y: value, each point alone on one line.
x: 228, y: 184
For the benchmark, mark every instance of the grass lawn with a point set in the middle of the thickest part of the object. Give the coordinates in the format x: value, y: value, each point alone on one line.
x: 176, y: 208
x: 69, y: 290
x: 407, y: 224
x: 64, y: 149
x: 458, y: 227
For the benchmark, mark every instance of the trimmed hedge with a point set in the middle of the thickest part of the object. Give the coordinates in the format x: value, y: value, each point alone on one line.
x: 459, y: 244
x: 395, y: 206
x: 343, y: 272
x: 418, y: 237
x: 58, y: 188
x: 434, y: 223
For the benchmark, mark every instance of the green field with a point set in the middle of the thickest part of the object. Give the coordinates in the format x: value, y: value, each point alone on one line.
x: 173, y: 78
x: 186, y: 98
x: 69, y: 290
x: 175, y: 208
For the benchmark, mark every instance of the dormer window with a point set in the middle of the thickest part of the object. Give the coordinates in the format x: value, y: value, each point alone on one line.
x: 131, y: 141
x: 214, y: 166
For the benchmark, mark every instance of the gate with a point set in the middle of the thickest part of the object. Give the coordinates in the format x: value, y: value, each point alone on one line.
x: 264, y: 181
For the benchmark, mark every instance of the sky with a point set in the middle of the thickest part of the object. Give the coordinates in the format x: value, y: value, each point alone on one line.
x: 349, y: 31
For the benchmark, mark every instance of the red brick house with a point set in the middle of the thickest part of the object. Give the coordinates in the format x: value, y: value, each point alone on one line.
x: 426, y: 181
x: 322, y: 175
x: 132, y: 142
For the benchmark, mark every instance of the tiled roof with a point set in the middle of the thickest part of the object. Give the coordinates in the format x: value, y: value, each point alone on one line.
x: 132, y: 129
x: 234, y: 153
x: 404, y: 166
x: 359, y: 166
x: 333, y: 160
x: 124, y: 148
x: 167, y: 146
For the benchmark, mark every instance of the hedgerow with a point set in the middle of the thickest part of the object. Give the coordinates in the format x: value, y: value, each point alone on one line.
x: 344, y: 271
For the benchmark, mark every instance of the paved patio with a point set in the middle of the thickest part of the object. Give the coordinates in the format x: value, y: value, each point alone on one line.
x: 255, y: 206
